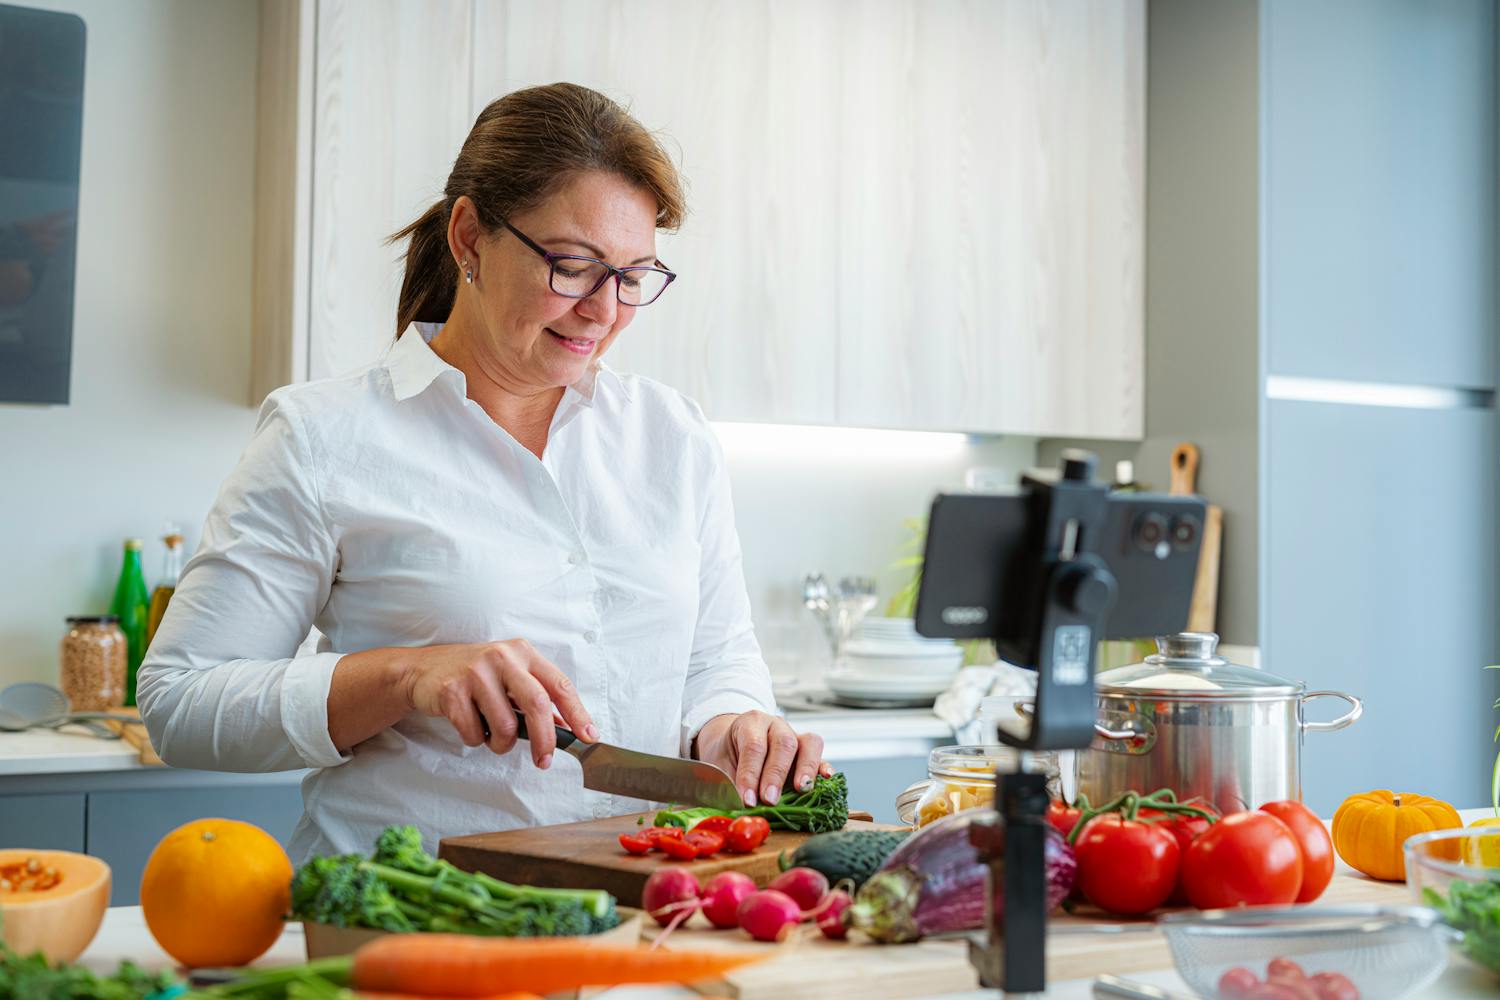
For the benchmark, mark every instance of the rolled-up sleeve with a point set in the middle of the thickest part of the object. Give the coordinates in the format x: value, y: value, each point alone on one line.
x: 220, y: 688
x: 726, y: 672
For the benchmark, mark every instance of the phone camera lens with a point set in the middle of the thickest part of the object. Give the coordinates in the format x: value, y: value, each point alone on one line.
x: 1184, y: 532
x: 1150, y: 530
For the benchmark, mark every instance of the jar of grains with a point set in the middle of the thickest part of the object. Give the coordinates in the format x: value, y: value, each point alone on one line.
x: 94, y: 654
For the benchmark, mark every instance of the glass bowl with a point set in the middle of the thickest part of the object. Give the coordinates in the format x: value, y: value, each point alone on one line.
x: 1457, y: 873
x: 1387, y: 952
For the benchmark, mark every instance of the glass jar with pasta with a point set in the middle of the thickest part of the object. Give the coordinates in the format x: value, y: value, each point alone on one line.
x: 963, y: 777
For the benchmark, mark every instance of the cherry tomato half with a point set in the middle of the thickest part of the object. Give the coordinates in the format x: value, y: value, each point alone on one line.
x: 747, y: 833
x: 1245, y: 859
x: 676, y: 848
x: 713, y: 824
x: 706, y: 842
x: 1126, y: 866
x: 1317, y: 846
x: 655, y: 833
x: 635, y: 843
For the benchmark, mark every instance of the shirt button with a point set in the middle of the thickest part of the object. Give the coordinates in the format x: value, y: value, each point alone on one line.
x: 591, y: 636
x: 575, y: 558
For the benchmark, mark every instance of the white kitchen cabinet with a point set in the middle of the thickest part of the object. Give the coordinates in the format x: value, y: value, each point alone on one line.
x: 902, y: 215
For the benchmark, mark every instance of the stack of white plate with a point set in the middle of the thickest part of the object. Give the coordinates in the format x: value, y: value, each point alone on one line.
x: 888, y: 663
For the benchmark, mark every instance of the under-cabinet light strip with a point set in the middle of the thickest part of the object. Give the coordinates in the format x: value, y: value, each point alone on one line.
x: 1420, y: 397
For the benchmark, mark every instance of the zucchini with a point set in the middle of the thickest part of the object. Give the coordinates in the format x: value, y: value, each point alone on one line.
x: 846, y: 854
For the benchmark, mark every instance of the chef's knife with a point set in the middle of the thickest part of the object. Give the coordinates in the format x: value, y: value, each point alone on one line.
x: 638, y: 775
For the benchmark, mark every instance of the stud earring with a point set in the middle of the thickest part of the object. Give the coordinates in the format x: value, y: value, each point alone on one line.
x: 468, y: 271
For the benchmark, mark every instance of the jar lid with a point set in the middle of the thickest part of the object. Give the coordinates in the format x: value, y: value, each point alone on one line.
x: 93, y: 619
x: 1188, y: 666
x: 978, y: 762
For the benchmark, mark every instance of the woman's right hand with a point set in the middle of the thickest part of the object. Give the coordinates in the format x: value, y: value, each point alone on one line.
x: 462, y: 681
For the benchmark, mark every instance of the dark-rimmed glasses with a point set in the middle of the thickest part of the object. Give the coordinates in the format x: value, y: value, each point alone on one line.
x: 579, y: 277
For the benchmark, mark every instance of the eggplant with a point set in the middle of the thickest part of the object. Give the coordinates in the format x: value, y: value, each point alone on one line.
x: 935, y: 883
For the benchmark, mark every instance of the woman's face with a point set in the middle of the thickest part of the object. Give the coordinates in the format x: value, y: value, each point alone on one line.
x: 535, y: 338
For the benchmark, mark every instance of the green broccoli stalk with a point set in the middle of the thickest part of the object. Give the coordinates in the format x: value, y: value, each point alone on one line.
x: 821, y: 809
x: 403, y: 888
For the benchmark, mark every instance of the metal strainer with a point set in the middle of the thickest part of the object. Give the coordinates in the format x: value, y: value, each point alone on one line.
x: 1387, y: 951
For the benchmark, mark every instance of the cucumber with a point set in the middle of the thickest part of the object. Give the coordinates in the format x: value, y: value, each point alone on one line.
x: 846, y: 854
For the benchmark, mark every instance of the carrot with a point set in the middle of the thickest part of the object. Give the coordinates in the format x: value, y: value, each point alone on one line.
x: 464, y: 965
x: 367, y: 995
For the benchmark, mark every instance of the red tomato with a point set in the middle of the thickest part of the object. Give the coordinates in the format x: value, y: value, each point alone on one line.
x: 713, y: 824
x: 1237, y: 983
x: 1185, y: 829
x: 1274, y: 991
x: 635, y: 843
x: 1334, y: 986
x: 1317, y: 846
x: 747, y: 833
x: 1126, y: 866
x: 706, y: 842
x: 1248, y: 858
x: 1063, y: 816
x: 677, y: 849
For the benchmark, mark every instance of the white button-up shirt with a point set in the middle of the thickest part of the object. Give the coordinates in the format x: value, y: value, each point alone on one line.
x: 387, y: 509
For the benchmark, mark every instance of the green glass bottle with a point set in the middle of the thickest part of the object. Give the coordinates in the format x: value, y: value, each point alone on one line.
x: 132, y: 605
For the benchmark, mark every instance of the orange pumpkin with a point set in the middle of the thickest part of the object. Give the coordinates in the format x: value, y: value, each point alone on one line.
x: 1369, y: 830
x: 51, y: 901
x: 215, y: 892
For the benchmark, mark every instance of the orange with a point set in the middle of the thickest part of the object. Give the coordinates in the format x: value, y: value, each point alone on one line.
x: 216, y: 892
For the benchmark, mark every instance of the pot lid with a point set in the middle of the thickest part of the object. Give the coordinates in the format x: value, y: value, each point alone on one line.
x: 1187, y: 665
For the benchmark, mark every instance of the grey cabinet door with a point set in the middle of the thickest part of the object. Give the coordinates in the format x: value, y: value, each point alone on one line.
x: 54, y: 822
x: 124, y: 827
x: 1380, y: 581
x: 875, y: 783
x: 1379, y: 190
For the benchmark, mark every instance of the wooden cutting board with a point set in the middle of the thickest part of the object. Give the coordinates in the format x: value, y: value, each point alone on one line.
x: 588, y: 855
x: 1203, y: 615
x: 811, y: 967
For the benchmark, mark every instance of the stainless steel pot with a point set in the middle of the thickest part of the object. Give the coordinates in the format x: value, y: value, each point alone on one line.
x: 1202, y: 726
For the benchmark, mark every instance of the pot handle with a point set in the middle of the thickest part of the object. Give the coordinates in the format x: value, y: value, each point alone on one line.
x: 1135, y: 740
x: 1342, y: 722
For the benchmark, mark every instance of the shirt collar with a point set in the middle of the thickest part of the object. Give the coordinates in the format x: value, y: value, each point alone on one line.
x: 413, y: 366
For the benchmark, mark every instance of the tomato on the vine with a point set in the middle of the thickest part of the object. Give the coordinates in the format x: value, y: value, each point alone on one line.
x: 1063, y: 816
x: 1317, y: 846
x: 1248, y: 858
x: 1184, y: 828
x: 1126, y: 866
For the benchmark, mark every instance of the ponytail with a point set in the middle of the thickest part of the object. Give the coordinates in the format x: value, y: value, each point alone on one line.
x: 431, y: 281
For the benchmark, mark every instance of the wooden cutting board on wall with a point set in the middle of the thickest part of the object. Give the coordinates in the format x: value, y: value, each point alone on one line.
x: 588, y: 855
x: 1203, y: 615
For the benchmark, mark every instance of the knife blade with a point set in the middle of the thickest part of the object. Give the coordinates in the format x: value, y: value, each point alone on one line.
x: 638, y: 775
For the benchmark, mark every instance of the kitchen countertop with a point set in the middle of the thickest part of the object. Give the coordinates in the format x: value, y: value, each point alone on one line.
x: 124, y: 935
x: 66, y: 750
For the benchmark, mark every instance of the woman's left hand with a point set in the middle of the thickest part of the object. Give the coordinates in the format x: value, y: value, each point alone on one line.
x: 760, y: 750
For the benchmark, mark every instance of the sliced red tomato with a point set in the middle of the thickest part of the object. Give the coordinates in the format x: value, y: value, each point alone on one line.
x: 706, y: 842
x: 677, y: 848
x: 713, y: 824
x: 1317, y: 846
x: 747, y: 833
x: 655, y: 833
x: 1063, y: 816
x: 1245, y: 859
x: 635, y: 843
x: 1126, y: 866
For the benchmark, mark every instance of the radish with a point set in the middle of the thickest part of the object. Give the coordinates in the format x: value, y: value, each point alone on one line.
x: 806, y: 886
x: 769, y: 915
x: 831, y: 921
x: 723, y: 895
x: 670, y: 892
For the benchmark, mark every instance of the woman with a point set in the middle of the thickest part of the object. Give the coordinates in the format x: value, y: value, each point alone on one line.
x: 488, y: 516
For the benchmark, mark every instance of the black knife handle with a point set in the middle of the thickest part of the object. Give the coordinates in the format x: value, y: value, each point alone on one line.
x: 565, y: 737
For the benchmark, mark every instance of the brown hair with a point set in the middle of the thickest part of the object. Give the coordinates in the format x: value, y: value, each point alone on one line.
x: 522, y: 148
